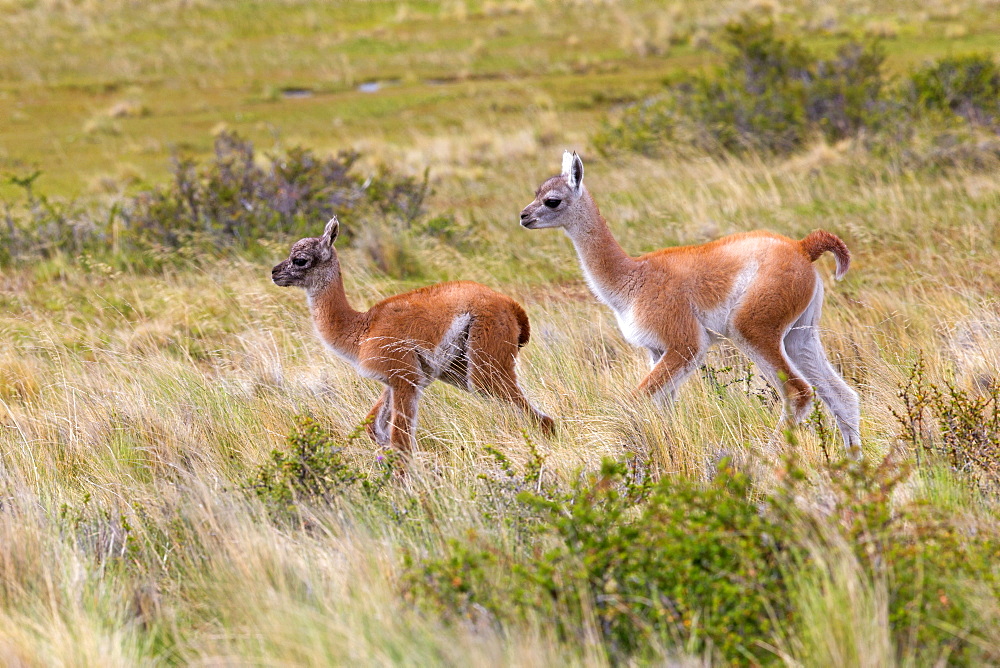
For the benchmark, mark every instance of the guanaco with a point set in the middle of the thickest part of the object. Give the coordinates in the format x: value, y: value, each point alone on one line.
x: 461, y: 332
x: 757, y: 289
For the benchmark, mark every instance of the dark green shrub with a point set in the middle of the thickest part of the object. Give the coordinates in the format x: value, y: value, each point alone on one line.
x: 233, y: 200
x: 697, y: 566
x: 313, y: 471
x: 709, y: 567
x: 760, y: 102
x: 771, y: 96
x: 968, y: 86
x: 656, y: 564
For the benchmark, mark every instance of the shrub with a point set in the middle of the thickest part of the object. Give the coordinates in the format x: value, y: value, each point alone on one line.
x: 40, y: 226
x: 313, y: 471
x: 772, y: 96
x: 698, y: 566
x: 453, y: 586
x: 926, y: 562
x: 711, y: 567
x: 944, y: 423
x: 654, y: 563
x: 234, y: 201
x: 847, y: 95
x: 230, y: 202
x: 498, y: 496
x: 968, y: 86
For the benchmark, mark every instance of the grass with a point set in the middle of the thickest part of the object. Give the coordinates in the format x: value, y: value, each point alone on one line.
x: 190, y: 67
x: 148, y: 399
x: 135, y: 405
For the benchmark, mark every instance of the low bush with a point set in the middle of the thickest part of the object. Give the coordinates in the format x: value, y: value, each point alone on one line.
x: 314, y: 471
x: 674, y: 563
x: 39, y: 227
x: 926, y: 562
x: 944, y: 423
x: 654, y: 564
x: 968, y: 86
x: 772, y: 96
x: 231, y: 201
x: 711, y: 567
x: 235, y: 200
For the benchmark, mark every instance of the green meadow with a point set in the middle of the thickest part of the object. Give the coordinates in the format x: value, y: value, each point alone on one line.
x: 182, y: 479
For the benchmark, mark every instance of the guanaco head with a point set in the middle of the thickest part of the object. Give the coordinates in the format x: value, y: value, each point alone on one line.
x: 312, y: 263
x: 557, y: 201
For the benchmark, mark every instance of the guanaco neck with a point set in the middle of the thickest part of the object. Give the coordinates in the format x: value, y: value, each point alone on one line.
x: 336, y: 322
x: 609, y: 270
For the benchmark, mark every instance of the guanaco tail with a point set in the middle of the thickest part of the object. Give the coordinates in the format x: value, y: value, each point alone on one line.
x: 757, y: 289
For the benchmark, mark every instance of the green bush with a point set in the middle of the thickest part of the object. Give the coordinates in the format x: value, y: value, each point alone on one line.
x: 772, y: 96
x: 968, y: 86
x: 655, y: 564
x: 944, y: 423
x: 711, y: 567
x: 313, y: 471
x: 229, y: 202
x: 926, y: 561
x: 695, y: 566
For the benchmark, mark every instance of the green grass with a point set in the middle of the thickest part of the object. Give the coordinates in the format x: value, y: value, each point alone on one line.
x: 191, y: 67
x: 155, y: 396
x: 135, y: 404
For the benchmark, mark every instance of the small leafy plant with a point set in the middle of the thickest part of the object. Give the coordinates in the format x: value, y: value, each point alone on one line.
x: 944, y: 423
x: 313, y: 470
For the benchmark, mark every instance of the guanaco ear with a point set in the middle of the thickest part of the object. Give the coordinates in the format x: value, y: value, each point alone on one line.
x: 332, y: 230
x: 572, y: 169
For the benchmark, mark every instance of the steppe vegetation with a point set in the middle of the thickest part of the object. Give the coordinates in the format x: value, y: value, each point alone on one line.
x: 183, y: 478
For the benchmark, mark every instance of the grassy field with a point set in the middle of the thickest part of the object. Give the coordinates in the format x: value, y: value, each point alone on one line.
x: 136, y: 406
x: 118, y: 87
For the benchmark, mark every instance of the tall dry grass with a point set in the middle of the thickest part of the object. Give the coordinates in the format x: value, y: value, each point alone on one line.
x: 134, y: 408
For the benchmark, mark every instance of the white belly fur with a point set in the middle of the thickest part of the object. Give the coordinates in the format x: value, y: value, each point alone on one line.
x: 442, y: 355
x: 635, y: 334
x: 718, y: 321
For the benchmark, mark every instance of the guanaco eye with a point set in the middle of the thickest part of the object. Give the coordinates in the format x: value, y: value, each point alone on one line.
x: 300, y: 261
x: 552, y: 203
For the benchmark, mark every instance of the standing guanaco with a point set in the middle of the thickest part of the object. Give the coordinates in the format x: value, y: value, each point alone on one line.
x: 462, y: 333
x: 757, y: 289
